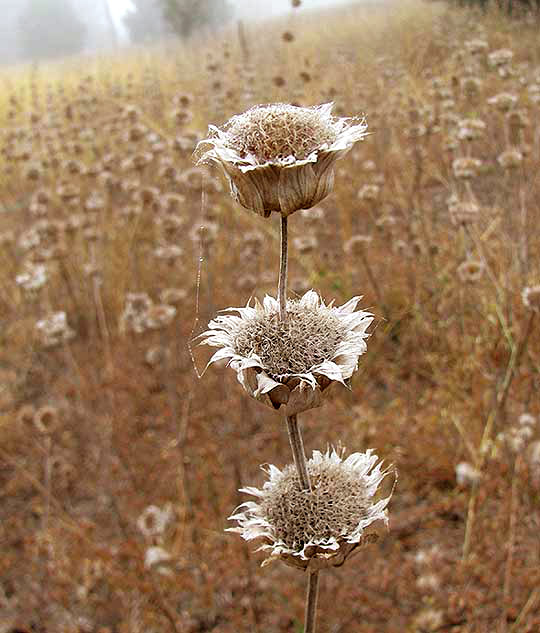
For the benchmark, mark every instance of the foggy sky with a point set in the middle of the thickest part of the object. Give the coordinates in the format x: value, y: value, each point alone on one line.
x: 245, y: 8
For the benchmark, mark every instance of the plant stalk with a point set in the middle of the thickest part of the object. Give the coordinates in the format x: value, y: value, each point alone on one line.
x: 310, y: 623
x: 297, y: 446
x: 283, y: 263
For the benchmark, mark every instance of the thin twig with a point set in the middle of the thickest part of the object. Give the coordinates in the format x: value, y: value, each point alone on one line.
x: 529, y: 605
x: 513, y: 363
x: 511, y: 543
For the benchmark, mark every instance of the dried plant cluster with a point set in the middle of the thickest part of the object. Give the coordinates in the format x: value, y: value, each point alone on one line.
x: 118, y: 467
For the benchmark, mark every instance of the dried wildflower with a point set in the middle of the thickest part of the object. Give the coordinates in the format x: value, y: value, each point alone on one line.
x: 29, y: 240
x: 471, y: 270
x: 46, y: 419
x: 33, y: 278
x: 429, y: 620
x: 501, y: 57
x: 153, y: 521
x: 290, y: 362
x: 280, y: 157
x: 470, y: 129
x: 159, y: 316
x: 504, y: 101
x: 168, y: 252
x: 133, y: 318
x: 428, y: 582
x: 534, y: 93
x: 510, y: 159
x: 476, y: 46
x: 321, y: 527
x: 369, y: 193
x: 305, y: 244
x: 471, y: 86
x: 531, y: 297
x: 526, y: 419
x: 466, y: 167
x: 517, y: 438
x: 54, y: 330
x: 356, y: 244
x: 466, y: 475
x: 158, y: 558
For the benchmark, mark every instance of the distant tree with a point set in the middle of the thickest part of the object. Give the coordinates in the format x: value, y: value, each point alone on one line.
x: 145, y: 22
x: 186, y: 16
x: 510, y: 6
x: 50, y: 28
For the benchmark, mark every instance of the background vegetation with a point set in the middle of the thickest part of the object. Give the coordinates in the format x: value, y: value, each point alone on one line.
x: 119, y: 466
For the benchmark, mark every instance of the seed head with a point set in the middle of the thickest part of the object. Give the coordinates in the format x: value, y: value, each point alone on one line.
x: 290, y: 362
x: 320, y: 527
x: 531, y: 297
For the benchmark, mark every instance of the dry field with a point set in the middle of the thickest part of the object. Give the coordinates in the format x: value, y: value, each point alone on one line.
x: 119, y: 466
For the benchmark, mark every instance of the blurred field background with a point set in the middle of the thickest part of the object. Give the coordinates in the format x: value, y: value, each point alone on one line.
x: 119, y: 466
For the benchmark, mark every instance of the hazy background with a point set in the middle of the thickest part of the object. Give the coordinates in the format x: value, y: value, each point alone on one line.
x: 31, y: 30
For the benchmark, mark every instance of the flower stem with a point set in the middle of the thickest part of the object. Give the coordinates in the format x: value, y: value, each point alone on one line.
x: 283, y: 261
x: 311, y: 602
x: 297, y: 446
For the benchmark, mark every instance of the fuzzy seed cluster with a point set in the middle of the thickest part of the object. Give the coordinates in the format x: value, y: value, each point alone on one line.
x: 334, y: 507
x: 306, y: 338
x: 275, y: 132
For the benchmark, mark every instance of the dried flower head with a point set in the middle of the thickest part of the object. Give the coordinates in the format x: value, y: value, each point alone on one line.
x: 526, y: 419
x: 321, y: 527
x: 159, y: 316
x: 158, y: 559
x: 54, y: 330
x: 467, y: 475
x: 290, y: 362
x: 466, y: 167
x: 510, y: 159
x: 470, y: 129
x: 504, y: 101
x: 154, y: 520
x: 356, y: 244
x: 280, y: 157
x: 500, y: 57
x: 133, y: 317
x: 471, y: 270
x: 47, y: 419
x: 33, y: 277
x: 531, y: 297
